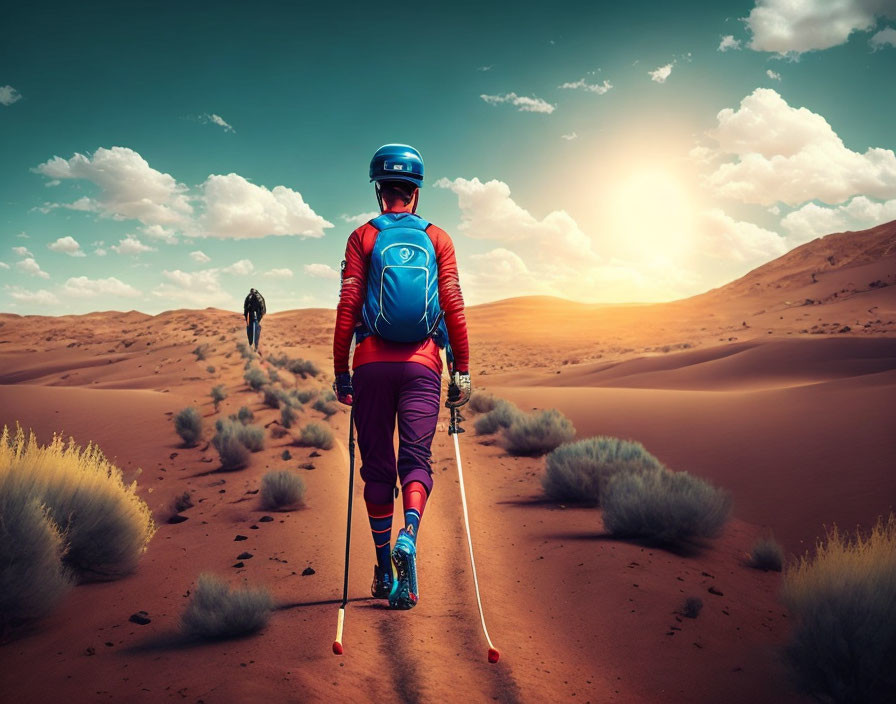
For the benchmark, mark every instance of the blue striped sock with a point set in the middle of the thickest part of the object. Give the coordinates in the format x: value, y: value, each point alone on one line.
x: 381, y: 529
x: 412, y: 522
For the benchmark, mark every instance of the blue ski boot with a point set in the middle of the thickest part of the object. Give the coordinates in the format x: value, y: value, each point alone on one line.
x: 404, y: 556
x: 382, y: 583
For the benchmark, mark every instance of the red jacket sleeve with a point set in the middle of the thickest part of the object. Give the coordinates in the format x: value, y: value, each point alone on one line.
x: 451, y: 299
x: 351, y: 296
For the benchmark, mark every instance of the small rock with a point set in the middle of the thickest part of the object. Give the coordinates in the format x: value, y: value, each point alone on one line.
x: 244, y: 556
x: 253, y: 527
x: 141, y: 618
x: 90, y: 651
x: 315, y: 453
x: 692, y: 607
x: 307, y: 465
x: 252, y: 491
x: 109, y: 644
x: 307, y: 571
x: 172, y: 455
x: 713, y: 590
x: 240, y: 537
x: 240, y: 564
x: 177, y: 518
x: 265, y: 519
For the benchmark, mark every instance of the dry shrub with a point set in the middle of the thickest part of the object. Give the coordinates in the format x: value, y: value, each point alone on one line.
x: 303, y: 396
x: 281, y: 489
x: 244, y: 415
x: 218, y: 394
x: 501, y: 416
x: 255, y: 377
x: 328, y: 408
x: 32, y: 578
x: 316, y: 435
x: 201, y: 352
x: 287, y: 416
x: 302, y: 367
x: 534, y: 434
x: 843, y: 602
x: 767, y: 554
x: 188, y: 424
x: 481, y: 402
x: 234, y: 441
x: 216, y: 611
x: 579, y: 471
x: 665, y: 507
x: 104, y: 524
x: 245, y: 351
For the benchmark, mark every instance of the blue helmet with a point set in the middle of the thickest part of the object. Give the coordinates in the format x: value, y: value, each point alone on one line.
x: 397, y: 162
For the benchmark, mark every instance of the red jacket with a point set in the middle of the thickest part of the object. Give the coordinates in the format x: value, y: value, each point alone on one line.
x: 375, y: 349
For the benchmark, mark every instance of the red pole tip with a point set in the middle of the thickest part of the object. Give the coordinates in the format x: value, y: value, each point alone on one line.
x: 337, y: 648
x: 493, y: 655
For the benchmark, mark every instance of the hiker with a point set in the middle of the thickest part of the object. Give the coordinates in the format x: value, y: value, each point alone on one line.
x: 254, y: 309
x: 396, y: 266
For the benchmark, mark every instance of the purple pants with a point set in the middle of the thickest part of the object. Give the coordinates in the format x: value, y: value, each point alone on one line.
x: 382, y: 391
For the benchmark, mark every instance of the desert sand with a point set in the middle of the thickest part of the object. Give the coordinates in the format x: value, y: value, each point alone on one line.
x: 778, y: 387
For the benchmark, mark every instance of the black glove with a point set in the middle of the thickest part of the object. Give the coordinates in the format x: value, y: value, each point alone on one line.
x: 459, y: 389
x: 342, y: 387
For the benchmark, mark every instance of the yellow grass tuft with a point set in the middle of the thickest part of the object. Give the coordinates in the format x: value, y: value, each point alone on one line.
x: 104, y: 524
x: 844, y: 603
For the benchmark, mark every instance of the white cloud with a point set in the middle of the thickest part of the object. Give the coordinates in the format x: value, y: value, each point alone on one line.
x: 489, y: 213
x: 283, y: 273
x: 792, y: 155
x: 729, y: 43
x: 360, y: 218
x: 238, y: 209
x: 860, y: 213
x: 31, y: 267
x: 774, y: 75
x: 789, y: 27
x: 723, y: 237
x: 321, y: 271
x: 22, y: 251
x: 569, y: 137
x: 41, y: 297
x: 521, y: 102
x: 243, y: 267
x: 485, y: 68
x: 660, y: 74
x: 229, y: 206
x: 216, y: 120
x: 582, y: 84
x: 157, y: 232
x: 100, y: 252
x: 188, y: 290
x: 9, y: 95
x: 200, y: 256
x: 82, y: 287
x: 129, y: 187
x: 4, y: 265
x: 131, y: 245
x: 22, y: 236
x: 885, y: 37
x: 67, y: 245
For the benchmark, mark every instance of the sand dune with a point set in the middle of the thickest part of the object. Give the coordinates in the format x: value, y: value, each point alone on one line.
x: 757, y: 386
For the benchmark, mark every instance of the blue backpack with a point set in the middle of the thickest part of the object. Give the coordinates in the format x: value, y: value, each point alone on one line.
x: 402, y: 301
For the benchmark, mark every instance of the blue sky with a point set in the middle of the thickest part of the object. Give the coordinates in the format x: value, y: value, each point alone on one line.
x: 172, y: 155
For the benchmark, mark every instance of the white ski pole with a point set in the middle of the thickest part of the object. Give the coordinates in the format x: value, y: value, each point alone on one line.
x: 454, y: 429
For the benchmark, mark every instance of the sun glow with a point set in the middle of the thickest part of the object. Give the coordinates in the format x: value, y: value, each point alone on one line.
x: 652, y: 215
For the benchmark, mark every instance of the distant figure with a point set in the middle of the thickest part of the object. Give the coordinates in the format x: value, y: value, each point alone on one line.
x: 253, y: 310
x: 397, y: 266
